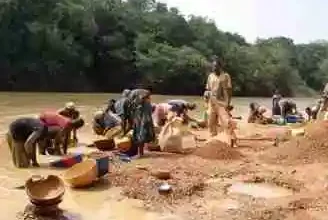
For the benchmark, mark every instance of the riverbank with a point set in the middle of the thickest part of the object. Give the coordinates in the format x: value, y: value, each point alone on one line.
x: 249, y: 186
x: 258, y: 185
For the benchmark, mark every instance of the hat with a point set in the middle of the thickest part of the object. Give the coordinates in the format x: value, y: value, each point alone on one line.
x: 70, y: 105
x: 98, y: 113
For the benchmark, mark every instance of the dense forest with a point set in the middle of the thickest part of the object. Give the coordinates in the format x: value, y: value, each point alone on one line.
x: 108, y: 45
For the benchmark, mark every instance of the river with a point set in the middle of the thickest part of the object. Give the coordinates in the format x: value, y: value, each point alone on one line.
x: 81, y: 204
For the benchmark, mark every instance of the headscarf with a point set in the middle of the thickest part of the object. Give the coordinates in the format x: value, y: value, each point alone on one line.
x: 70, y: 105
x: 137, y: 96
x: 98, y: 113
x: 126, y: 93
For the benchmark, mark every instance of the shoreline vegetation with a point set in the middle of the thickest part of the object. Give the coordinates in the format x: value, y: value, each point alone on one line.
x: 109, y: 45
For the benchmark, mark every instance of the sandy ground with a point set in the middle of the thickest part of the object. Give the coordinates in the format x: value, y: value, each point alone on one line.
x: 263, y: 182
x: 258, y: 183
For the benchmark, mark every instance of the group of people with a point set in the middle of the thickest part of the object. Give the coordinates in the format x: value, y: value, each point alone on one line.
x: 50, y: 131
x: 135, y: 110
x: 282, y: 109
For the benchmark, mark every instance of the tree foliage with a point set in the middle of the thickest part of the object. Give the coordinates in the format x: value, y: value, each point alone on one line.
x: 108, y: 45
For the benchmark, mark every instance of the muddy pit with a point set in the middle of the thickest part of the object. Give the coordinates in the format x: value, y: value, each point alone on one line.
x: 257, y: 181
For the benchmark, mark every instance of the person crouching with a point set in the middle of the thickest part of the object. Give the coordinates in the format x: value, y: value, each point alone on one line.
x: 256, y: 114
x: 22, y: 138
x: 62, y: 127
x: 104, y: 121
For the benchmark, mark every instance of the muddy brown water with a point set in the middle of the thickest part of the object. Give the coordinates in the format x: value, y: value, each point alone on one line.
x: 103, y: 203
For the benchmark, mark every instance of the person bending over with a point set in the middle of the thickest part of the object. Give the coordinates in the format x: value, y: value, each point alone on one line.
x: 256, y: 114
x: 64, y: 125
x: 104, y: 121
x: 288, y: 107
x: 312, y: 112
x: 22, y: 138
x: 181, y: 108
x: 160, y: 114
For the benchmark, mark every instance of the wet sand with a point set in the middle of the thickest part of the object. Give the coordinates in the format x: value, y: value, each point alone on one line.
x: 246, y: 188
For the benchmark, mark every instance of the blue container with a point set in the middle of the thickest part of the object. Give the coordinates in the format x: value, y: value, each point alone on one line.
x: 292, y: 119
x: 102, y: 165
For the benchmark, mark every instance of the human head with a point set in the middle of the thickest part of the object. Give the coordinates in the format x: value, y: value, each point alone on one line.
x: 218, y: 66
x: 126, y: 92
x: 112, y: 101
x: 70, y: 105
x: 191, y: 106
x: 99, y: 114
x: 111, y: 104
x: 308, y: 111
x: 77, y: 123
x: 146, y: 96
x: 254, y: 106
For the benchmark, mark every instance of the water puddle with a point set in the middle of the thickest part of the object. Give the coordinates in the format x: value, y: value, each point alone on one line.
x: 259, y: 190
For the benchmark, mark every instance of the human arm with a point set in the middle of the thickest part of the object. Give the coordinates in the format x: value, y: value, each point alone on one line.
x: 30, y: 145
x: 65, y: 134
x: 208, y: 83
x: 126, y: 117
x: 283, y: 110
x: 228, y: 89
x: 75, y: 135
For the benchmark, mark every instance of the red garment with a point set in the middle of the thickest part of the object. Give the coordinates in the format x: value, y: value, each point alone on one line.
x: 50, y: 118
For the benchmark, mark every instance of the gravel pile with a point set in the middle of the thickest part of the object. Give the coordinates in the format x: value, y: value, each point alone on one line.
x: 313, y: 147
x: 188, y: 176
x: 217, y: 150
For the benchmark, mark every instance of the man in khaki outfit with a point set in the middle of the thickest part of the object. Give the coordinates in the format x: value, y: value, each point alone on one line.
x: 220, y: 88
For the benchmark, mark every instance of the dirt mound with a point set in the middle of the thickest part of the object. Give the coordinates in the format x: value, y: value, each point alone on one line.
x: 188, y: 176
x: 217, y: 150
x: 308, y: 149
x: 317, y: 131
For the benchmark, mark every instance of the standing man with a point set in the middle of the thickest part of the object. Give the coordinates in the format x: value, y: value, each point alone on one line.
x: 324, y: 97
x: 220, y: 87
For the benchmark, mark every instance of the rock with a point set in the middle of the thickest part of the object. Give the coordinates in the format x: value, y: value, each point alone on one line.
x: 161, y: 174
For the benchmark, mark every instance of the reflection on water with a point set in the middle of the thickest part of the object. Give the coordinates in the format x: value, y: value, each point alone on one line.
x: 89, y: 204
